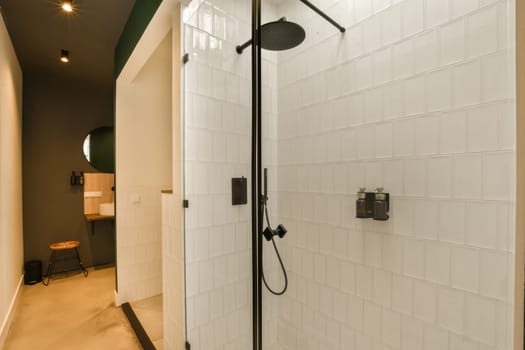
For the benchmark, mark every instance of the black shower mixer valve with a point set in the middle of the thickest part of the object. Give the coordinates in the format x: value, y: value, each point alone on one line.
x: 280, y: 231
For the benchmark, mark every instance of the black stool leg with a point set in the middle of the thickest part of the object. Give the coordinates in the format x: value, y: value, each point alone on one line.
x: 49, y: 269
x: 84, y: 271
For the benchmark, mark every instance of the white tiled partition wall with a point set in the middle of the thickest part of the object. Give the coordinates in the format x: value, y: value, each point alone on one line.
x: 172, y: 271
x: 416, y: 97
x: 217, y: 121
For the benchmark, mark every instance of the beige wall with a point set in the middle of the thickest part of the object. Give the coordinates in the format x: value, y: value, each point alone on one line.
x: 11, y: 249
x: 143, y: 169
x: 520, y: 176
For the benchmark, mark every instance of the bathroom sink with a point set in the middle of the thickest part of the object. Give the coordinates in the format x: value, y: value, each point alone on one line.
x: 107, y: 209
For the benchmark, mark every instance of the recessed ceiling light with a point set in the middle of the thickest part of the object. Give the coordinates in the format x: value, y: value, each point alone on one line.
x: 67, y: 6
x: 64, y: 56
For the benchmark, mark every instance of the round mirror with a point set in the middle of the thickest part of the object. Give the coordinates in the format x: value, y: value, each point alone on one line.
x: 99, y: 149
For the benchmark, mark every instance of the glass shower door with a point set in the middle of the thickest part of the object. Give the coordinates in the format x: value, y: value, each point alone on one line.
x: 217, y: 114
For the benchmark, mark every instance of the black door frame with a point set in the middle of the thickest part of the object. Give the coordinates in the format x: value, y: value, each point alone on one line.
x: 257, y: 223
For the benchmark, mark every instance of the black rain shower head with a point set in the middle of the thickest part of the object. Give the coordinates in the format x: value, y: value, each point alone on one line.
x: 281, y: 35
x: 278, y: 36
x: 284, y: 35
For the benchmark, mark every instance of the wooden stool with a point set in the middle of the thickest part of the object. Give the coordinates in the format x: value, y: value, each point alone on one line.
x: 61, y: 246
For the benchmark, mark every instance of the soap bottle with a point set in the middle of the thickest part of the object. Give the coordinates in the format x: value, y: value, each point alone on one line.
x: 380, y: 205
x: 81, y: 178
x: 73, y: 179
x: 360, y: 204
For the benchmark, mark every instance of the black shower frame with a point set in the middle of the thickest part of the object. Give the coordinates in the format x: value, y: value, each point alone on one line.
x: 255, y: 175
x: 257, y: 196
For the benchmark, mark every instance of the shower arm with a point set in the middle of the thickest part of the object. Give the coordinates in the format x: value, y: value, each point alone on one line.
x: 324, y: 15
x: 240, y: 48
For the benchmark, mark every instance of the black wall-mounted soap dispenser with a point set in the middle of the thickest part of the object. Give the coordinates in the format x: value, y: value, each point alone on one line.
x: 364, y: 204
x: 372, y: 204
x: 381, y: 205
x: 76, y: 179
x: 360, y: 204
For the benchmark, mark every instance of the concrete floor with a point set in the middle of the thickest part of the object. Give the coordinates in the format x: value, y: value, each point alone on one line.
x: 149, y: 313
x: 73, y: 312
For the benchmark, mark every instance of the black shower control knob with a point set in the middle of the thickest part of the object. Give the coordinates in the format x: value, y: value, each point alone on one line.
x: 281, y: 231
x: 268, y: 233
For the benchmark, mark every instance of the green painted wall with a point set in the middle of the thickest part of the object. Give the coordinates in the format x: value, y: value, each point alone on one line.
x: 138, y: 20
x: 102, y: 149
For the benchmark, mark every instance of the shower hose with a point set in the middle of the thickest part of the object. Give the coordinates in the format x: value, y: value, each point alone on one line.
x: 278, y: 257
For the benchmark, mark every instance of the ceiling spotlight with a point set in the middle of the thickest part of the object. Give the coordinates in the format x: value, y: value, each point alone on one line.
x: 64, y: 56
x: 67, y: 6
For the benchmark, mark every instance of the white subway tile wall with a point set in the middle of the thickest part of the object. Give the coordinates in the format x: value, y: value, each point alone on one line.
x: 417, y: 97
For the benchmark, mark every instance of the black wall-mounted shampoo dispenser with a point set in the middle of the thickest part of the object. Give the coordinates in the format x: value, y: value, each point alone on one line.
x: 381, y: 205
x: 77, y: 179
x: 372, y: 204
x: 364, y: 204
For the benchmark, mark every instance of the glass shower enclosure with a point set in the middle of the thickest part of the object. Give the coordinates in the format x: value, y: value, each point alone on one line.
x: 379, y: 95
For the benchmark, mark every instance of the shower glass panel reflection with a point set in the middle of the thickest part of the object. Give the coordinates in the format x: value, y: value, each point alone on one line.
x: 217, y: 124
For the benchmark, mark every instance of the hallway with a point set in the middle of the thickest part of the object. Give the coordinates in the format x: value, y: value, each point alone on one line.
x: 72, y: 312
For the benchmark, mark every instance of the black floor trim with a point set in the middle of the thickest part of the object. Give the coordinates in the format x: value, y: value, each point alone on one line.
x: 143, y: 337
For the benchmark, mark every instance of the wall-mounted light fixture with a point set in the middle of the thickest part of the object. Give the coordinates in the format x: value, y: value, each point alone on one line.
x: 67, y: 6
x: 64, y: 56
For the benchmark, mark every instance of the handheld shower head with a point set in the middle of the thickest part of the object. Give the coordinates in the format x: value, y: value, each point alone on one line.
x: 269, y: 234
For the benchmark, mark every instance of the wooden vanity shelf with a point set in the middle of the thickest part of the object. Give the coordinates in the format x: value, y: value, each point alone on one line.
x: 97, y: 217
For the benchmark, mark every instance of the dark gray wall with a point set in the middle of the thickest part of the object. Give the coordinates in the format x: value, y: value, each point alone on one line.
x: 57, y: 115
